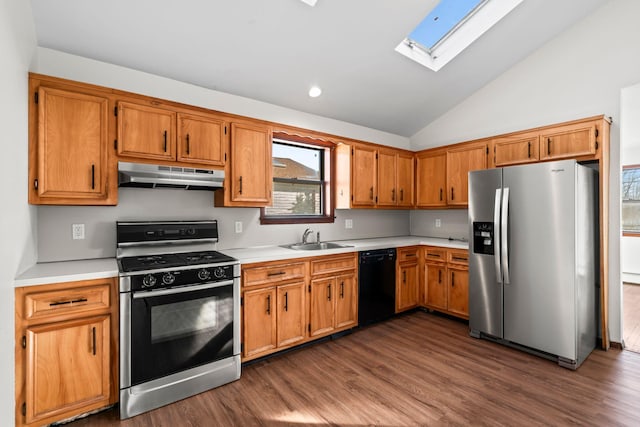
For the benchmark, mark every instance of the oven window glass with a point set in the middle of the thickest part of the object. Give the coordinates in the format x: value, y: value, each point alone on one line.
x: 172, y: 333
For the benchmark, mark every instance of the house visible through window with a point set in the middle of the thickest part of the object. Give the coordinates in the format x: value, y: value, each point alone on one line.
x: 301, y: 186
x: 631, y: 200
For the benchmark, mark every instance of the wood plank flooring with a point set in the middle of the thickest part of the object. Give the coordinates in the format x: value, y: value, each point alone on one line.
x: 417, y: 369
x: 631, y: 316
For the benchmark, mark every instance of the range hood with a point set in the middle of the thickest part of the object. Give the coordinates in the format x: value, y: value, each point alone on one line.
x: 160, y: 176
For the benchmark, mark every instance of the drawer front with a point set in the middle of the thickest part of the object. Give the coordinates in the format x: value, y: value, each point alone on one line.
x: 435, y: 254
x: 333, y: 264
x: 66, y: 301
x: 459, y: 257
x: 254, y: 276
x: 408, y: 254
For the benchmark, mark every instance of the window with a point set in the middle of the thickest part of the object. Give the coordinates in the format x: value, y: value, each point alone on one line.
x: 301, y: 181
x: 450, y: 28
x: 631, y: 200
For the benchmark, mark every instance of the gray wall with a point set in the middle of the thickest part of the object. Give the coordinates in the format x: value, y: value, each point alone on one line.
x: 453, y: 223
x: 55, y: 241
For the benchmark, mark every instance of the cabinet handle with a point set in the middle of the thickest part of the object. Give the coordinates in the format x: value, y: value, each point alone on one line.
x: 269, y: 305
x: 188, y: 144
x: 371, y: 193
x: 165, y: 141
x: 240, y: 191
x: 410, y: 255
x: 433, y: 255
x: 286, y: 301
x: 393, y: 195
x: 549, y: 146
x: 276, y: 273
x: 439, y: 276
x: 452, y: 198
x: 529, y: 149
x: 342, y: 290
x: 93, y: 177
x: 93, y: 333
x: 73, y: 301
x: 402, y: 194
x: 328, y: 292
x: 459, y: 258
x: 441, y: 194
x: 404, y: 276
x: 453, y: 279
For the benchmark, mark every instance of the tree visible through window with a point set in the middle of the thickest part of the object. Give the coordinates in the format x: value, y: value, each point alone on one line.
x: 631, y: 200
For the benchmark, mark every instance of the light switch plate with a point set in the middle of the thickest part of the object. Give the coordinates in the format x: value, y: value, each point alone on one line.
x: 348, y: 223
x: 77, y: 231
x: 438, y: 223
x: 238, y: 226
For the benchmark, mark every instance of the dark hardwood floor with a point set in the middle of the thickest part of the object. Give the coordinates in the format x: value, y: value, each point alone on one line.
x: 417, y: 369
x: 631, y: 316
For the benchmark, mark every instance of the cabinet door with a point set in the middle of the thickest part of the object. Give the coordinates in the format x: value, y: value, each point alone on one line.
x: 321, y: 311
x: 407, y: 287
x: 251, y: 164
x: 458, y: 294
x: 201, y: 140
x: 459, y: 163
x: 291, y: 316
x: 405, y: 180
x: 568, y: 141
x: 431, y: 180
x: 436, y: 281
x: 259, y: 320
x: 67, y: 367
x: 516, y: 150
x: 387, y: 173
x: 146, y: 132
x: 363, y: 176
x: 346, y: 301
x: 72, y: 145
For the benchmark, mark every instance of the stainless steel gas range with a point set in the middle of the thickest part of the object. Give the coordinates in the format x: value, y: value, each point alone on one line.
x: 179, y: 313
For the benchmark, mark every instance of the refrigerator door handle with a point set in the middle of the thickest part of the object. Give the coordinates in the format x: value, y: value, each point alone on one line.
x: 496, y: 237
x: 504, y: 234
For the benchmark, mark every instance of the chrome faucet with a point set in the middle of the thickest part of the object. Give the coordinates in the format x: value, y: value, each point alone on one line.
x: 305, y: 235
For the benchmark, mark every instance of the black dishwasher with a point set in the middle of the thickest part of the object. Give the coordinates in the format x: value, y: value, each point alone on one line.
x: 377, y: 285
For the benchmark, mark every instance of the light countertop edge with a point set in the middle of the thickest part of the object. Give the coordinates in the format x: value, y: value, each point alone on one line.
x: 67, y: 271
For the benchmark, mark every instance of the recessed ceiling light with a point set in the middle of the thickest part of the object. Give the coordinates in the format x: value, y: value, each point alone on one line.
x: 310, y: 2
x: 315, y: 91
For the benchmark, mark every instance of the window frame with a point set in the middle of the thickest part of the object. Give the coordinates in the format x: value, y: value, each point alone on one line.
x: 327, y: 183
x: 626, y: 233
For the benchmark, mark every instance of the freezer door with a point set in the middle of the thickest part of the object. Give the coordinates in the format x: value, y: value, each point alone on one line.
x: 539, y: 300
x: 485, y: 275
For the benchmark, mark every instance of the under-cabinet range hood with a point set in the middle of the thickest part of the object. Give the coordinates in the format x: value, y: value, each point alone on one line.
x: 160, y: 176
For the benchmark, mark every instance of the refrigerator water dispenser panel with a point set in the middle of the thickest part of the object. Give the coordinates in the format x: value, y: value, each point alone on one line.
x: 483, y: 238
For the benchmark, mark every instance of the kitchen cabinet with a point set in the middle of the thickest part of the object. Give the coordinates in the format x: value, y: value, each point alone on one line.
x: 405, y: 180
x: 68, y: 139
x: 460, y: 161
x: 248, y: 180
x: 395, y: 179
x: 569, y: 141
x: 364, y: 176
x: 407, y: 278
x: 446, y: 281
x: 517, y: 149
x: 146, y: 132
x: 201, y: 139
x: 274, y: 314
x: 431, y: 179
x: 66, y: 349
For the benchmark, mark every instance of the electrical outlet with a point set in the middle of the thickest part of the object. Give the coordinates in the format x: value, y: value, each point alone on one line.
x: 238, y: 226
x: 77, y: 231
x: 348, y: 223
x: 438, y: 223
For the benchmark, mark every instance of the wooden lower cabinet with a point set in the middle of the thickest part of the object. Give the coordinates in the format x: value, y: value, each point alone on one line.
x: 333, y: 304
x: 66, y: 350
x: 259, y: 318
x: 446, y: 281
x: 458, y: 292
x: 291, y: 314
x: 407, y: 278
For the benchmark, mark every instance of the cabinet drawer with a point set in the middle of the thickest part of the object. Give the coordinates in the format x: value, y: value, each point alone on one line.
x: 435, y: 255
x: 408, y: 254
x: 253, y: 276
x: 460, y: 257
x: 333, y: 264
x: 66, y: 301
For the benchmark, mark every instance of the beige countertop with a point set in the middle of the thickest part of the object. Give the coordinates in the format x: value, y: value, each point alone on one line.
x: 69, y: 271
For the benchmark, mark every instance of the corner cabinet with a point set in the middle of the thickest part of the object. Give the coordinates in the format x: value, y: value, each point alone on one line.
x: 248, y: 180
x: 69, y: 161
x: 66, y: 347
x: 446, y: 281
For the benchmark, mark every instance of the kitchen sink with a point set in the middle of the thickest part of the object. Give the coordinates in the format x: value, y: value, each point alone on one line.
x: 314, y: 246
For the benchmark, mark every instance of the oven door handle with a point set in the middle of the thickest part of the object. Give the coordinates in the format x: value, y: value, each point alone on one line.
x: 180, y: 290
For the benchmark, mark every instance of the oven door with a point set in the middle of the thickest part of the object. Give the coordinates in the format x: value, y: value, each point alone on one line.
x: 172, y: 330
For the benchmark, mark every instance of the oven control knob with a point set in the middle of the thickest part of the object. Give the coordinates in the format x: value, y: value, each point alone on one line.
x: 148, y: 281
x: 204, y: 274
x: 218, y: 272
x: 168, y: 278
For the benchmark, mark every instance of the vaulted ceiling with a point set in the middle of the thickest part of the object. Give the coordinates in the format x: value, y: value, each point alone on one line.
x: 275, y: 50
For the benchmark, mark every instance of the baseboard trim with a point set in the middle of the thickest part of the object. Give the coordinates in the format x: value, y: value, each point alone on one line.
x: 617, y: 345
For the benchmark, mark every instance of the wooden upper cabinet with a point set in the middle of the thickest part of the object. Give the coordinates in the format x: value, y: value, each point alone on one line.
x: 69, y: 159
x: 387, y: 179
x: 431, y: 179
x: 250, y: 177
x: 459, y: 163
x: 568, y: 141
x: 363, y: 176
x: 517, y: 149
x: 201, y: 140
x: 146, y: 132
x: 406, y: 175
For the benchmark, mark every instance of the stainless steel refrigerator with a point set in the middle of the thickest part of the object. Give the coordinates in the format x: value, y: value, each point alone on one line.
x: 533, y: 258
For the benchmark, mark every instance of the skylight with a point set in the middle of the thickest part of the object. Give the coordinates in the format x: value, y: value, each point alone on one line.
x: 450, y: 28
